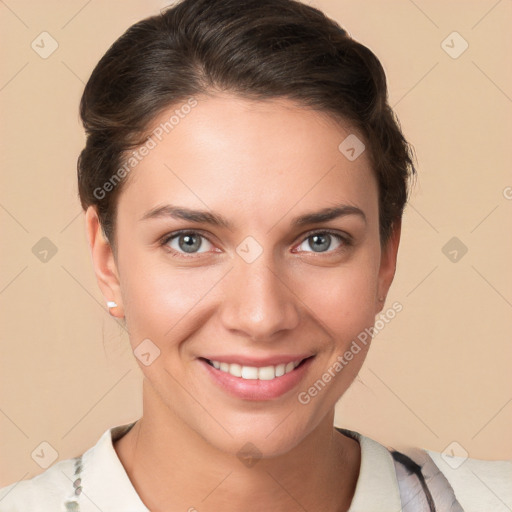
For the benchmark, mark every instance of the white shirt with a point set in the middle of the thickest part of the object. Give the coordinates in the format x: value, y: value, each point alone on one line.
x: 100, y: 482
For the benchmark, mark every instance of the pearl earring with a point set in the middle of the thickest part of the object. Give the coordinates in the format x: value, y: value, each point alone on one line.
x: 111, y: 304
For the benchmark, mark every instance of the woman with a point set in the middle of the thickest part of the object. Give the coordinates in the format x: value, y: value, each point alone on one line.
x: 243, y: 180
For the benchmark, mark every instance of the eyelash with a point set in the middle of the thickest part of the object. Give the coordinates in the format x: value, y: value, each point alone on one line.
x: 345, y: 239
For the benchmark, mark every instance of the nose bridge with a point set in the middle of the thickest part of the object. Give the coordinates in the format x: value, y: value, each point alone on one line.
x: 258, y: 301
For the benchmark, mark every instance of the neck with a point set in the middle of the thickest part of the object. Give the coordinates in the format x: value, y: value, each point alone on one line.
x: 173, y: 468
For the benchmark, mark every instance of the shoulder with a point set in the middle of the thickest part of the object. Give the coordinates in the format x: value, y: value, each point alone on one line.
x: 60, y: 486
x: 455, y: 483
x: 424, y: 480
x: 41, y: 493
x: 478, y: 484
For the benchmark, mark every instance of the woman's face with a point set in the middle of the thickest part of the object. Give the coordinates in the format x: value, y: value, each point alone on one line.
x: 249, y: 284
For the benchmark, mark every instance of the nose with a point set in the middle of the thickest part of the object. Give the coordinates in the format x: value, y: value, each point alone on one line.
x: 258, y: 302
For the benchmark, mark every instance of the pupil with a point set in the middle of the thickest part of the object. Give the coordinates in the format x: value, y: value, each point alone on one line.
x: 191, y: 243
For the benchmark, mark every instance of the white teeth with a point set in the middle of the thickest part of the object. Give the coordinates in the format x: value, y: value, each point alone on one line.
x: 253, y: 373
x: 280, y: 368
x: 289, y: 367
x: 249, y: 372
x: 267, y: 373
x: 235, y: 369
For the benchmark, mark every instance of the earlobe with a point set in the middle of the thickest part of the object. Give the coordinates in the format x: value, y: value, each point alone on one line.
x: 388, y: 264
x: 104, y: 263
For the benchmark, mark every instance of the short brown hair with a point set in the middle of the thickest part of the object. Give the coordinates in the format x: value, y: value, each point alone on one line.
x: 259, y: 49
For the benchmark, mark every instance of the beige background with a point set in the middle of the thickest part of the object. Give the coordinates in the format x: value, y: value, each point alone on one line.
x: 438, y: 373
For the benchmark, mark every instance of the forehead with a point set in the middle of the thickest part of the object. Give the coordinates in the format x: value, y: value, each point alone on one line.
x: 237, y: 155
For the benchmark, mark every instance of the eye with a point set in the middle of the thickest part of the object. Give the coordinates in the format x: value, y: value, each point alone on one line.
x: 322, y: 241
x: 187, y: 242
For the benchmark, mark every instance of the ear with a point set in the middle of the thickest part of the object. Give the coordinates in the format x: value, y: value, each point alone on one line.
x: 104, y: 263
x: 388, y: 264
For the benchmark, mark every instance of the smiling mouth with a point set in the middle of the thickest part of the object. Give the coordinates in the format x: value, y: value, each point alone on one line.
x: 270, y: 372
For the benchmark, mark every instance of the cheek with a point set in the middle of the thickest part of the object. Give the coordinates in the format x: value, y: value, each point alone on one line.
x: 161, y: 301
x: 342, y: 302
x: 342, y: 298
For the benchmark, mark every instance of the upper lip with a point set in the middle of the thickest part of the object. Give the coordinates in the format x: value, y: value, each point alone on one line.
x: 260, y: 361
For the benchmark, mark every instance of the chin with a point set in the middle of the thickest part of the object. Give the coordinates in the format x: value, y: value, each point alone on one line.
x: 262, y: 435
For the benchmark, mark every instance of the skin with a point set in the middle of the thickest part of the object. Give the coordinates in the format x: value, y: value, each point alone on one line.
x: 259, y: 164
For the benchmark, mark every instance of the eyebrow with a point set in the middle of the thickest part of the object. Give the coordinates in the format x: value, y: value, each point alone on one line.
x: 215, y: 219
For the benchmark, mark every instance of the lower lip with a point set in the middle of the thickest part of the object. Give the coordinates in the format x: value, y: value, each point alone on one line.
x: 255, y: 389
